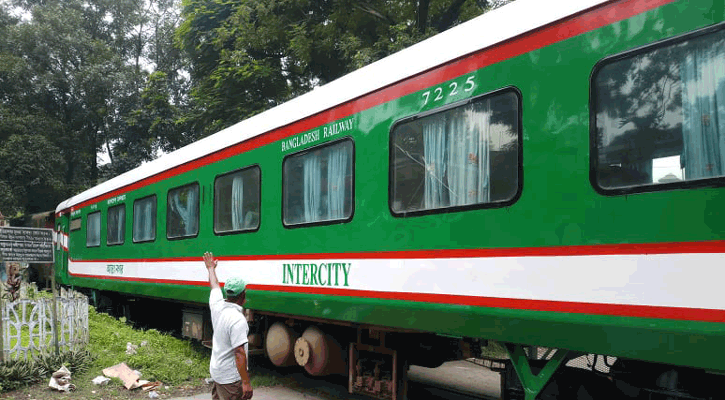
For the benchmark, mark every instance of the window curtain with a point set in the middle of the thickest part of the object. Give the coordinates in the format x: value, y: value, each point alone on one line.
x: 312, y: 183
x: 237, y: 203
x: 144, y: 229
x: 121, y: 218
x: 336, y: 173
x: 457, y: 159
x: 187, y: 211
x: 94, y: 230
x: 116, y: 220
x: 468, y: 156
x: 703, y: 109
x: 434, y: 150
x: 148, y: 221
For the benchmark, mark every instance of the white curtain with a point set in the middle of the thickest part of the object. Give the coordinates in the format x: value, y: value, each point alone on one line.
x: 143, y: 220
x: 115, y: 225
x: 237, y: 203
x: 148, y: 221
x: 703, y: 109
x: 434, y: 150
x: 336, y: 172
x: 187, y: 211
x: 457, y: 157
x: 312, y: 183
x: 468, y: 156
x: 93, y: 237
x: 120, y: 224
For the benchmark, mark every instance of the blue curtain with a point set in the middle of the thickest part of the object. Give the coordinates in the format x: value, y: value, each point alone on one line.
x: 468, y: 156
x: 337, y: 165
x: 237, y: 203
x: 456, y: 157
x: 703, y: 109
x: 311, y: 170
x: 434, y: 160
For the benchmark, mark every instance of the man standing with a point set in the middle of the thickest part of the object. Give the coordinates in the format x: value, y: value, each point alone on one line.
x: 228, y: 366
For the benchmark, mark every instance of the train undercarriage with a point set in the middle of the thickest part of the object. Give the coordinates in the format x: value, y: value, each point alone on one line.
x: 376, y: 359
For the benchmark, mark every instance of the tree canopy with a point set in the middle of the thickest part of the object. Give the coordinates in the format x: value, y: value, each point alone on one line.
x: 250, y: 55
x: 134, y: 78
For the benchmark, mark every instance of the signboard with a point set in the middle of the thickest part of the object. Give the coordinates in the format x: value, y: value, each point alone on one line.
x: 33, y: 245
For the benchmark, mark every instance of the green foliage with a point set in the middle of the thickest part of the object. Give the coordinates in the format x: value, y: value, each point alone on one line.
x: 77, y: 362
x: 251, y: 55
x: 72, y: 75
x: 159, y: 356
x: 15, y: 374
x: 33, y: 167
x: 9, y: 205
x: 494, y: 349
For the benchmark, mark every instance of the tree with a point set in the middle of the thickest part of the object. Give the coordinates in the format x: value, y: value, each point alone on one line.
x: 251, y: 55
x: 74, y: 76
x: 32, y: 167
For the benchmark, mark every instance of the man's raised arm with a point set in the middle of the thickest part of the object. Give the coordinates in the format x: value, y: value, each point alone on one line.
x: 211, y: 263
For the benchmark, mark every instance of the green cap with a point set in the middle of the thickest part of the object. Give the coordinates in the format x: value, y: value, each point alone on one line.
x: 234, y: 286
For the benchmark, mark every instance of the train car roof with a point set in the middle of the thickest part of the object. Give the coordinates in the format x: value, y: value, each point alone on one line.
x: 484, y: 31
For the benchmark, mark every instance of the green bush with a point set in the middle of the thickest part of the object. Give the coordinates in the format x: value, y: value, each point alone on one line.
x: 77, y: 362
x: 15, y: 374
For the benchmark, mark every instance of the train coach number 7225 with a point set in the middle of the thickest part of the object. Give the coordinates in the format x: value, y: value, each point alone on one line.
x: 468, y: 86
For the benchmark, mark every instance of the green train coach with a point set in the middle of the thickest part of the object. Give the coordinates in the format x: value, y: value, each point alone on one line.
x: 547, y: 175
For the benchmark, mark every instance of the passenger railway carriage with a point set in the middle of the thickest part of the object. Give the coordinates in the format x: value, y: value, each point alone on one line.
x: 549, y: 174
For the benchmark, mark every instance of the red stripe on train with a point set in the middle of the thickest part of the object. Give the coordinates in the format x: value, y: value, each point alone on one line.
x: 558, y: 31
x: 715, y: 246
x: 621, y: 310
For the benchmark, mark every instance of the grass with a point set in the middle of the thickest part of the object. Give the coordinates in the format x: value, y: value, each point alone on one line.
x: 159, y: 356
x: 181, y: 365
x: 494, y: 350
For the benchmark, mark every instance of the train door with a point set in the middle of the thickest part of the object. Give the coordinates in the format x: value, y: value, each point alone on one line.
x: 61, y: 248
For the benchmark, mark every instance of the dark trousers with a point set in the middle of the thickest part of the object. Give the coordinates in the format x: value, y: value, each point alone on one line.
x: 228, y: 391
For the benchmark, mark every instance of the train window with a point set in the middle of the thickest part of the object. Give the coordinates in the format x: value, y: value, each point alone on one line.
x: 144, y: 219
x: 182, y: 212
x: 237, y: 201
x: 93, y: 229
x: 116, y: 224
x: 657, y: 116
x: 467, y: 155
x: 75, y: 224
x: 317, y: 185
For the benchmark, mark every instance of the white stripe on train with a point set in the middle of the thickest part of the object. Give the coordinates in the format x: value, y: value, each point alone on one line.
x: 664, y: 280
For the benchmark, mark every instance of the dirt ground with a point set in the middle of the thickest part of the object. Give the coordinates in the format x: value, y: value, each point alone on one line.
x: 110, y: 391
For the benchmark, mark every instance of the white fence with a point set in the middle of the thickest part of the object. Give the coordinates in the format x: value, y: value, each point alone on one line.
x: 29, y: 326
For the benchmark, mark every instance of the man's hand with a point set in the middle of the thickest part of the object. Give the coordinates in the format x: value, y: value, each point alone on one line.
x: 210, y: 263
x: 246, y: 390
x: 209, y: 260
x: 240, y: 359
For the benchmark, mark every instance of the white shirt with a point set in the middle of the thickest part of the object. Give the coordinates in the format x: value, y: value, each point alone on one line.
x: 230, y: 331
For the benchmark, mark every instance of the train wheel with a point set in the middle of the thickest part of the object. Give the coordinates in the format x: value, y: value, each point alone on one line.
x: 319, y: 353
x: 279, y: 344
